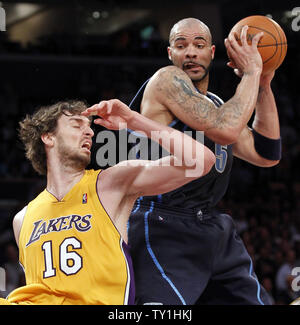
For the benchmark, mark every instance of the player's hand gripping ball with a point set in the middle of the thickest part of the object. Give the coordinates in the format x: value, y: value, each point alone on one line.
x: 273, y: 44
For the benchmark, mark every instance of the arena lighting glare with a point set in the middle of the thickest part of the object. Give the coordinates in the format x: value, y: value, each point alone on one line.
x: 100, y: 14
x: 96, y: 14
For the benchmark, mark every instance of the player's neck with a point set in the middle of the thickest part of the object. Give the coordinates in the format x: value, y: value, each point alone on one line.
x: 202, y: 85
x: 60, y: 180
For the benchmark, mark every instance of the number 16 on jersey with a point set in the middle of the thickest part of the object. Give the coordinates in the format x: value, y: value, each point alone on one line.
x: 70, y: 262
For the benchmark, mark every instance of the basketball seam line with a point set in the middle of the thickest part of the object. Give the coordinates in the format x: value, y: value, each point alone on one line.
x: 275, y: 44
x: 278, y: 32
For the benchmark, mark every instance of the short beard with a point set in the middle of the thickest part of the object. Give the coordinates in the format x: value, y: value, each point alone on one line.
x: 205, y: 73
x: 70, y: 158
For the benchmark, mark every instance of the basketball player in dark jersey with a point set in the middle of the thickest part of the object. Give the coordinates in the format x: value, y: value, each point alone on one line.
x: 185, y: 251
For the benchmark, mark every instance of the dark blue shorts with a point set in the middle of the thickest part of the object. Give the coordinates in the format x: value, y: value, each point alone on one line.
x: 190, y: 257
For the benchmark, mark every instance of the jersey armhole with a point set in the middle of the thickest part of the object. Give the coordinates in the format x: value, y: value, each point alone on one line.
x: 18, y: 222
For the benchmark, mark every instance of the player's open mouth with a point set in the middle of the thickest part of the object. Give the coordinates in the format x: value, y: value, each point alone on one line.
x: 87, y: 145
x: 192, y: 66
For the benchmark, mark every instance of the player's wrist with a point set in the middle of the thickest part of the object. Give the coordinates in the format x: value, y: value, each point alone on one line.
x: 265, y: 80
x: 133, y: 120
x: 138, y: 122
x: 263, y: 90
x: 254, y: 71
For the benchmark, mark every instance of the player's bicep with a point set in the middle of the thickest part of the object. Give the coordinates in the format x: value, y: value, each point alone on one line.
x: 159, y: 176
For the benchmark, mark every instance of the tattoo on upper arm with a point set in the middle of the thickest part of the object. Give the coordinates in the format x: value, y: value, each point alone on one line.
x: 185, y: 87
x: 201, y: 109
x: 191, y: 101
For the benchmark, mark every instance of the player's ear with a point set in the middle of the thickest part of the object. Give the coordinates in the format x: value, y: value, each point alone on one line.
x: 213, y: 49
x: 169, y: 53
x: 48, y: 139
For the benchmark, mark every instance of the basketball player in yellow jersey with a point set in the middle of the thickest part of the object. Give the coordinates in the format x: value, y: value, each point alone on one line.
x: 72, y: 236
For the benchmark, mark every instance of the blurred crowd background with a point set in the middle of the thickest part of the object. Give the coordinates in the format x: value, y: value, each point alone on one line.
x: 95, y: 50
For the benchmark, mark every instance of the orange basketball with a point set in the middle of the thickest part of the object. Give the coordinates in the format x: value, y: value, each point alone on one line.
x: 273, y: 44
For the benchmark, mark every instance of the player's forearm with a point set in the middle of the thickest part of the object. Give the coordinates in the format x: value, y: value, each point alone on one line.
x: 237, y: 111
x: 182, y: 146
x: 266, y: 120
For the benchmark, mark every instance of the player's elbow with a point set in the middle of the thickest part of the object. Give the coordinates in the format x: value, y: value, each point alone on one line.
x: 270, y: 163
x: 274, y: 163
x: 263, y: 162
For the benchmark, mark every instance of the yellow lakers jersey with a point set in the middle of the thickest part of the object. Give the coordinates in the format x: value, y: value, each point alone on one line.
x: 71, y: 251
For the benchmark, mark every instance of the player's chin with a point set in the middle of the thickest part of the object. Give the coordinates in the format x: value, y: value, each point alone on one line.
x: 85, y: 152
x: 84, y: 159
x: 87, y: 159
x: 197, y: 77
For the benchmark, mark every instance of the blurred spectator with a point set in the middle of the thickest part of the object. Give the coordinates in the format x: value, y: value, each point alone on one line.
x: 13, y: 270
x: 268, y: 285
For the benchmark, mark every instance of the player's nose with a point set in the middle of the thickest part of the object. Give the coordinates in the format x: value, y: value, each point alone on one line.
x: 88, y: 131
x: 190, y: 51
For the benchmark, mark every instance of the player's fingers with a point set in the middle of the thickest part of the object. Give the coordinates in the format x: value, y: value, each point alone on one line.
x: 97, y: 109
x: 110, y: 124
x: 90, y: 110
x: 98, y: 121
x: 238, y: 73
x: 228, y: 46
x: 232, y: 42
x: 105, y: 107
x: 101, y: 108
x: 244, y: 35
x: 231, y: 64
x: 257, y: 38
x: 231, y: 51
x: 109, y: 107
x: 102, y: 122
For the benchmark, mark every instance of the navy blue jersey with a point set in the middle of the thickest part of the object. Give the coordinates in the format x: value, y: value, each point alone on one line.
x: 204, y: 192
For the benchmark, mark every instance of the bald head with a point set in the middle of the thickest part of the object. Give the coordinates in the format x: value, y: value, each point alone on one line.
x: 189, y: 23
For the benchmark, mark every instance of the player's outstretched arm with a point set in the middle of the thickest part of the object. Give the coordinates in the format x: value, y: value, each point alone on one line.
x: 189, y: 158
x: 119, y: 186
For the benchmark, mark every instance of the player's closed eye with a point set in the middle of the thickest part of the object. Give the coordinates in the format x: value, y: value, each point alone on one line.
x: 179, y: 46
x: 200, y: 46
